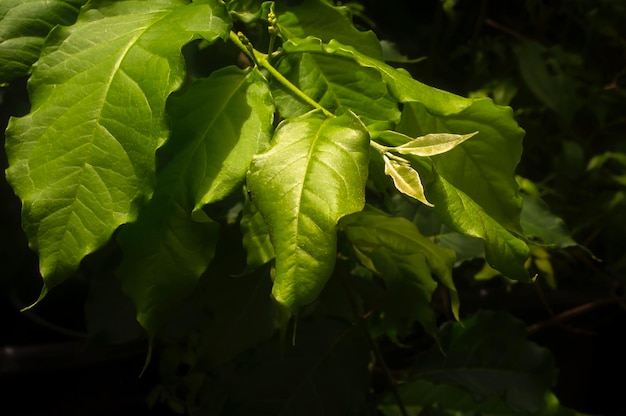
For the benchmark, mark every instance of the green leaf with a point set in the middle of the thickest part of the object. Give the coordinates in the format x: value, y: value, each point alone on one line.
x: 406, y: 179
x: 313, y: 174
x: 489, y: 356
x: 428, y: 145
x: 24, y: 24
x: 256, y: 237
x: 503, y: 251
x: 394, y: 248
x: 166, y: 250
x: 325, y: 21
x: 82, y: 161
x: 335, y: 83
x: 222, y: 139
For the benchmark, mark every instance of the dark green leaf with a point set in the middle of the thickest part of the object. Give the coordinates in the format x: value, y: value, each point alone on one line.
x: 325, y: 373
x: 408, y: 262
x: 488, y: 355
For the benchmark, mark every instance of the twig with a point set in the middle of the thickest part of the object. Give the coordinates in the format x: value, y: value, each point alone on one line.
x: 570, y: 313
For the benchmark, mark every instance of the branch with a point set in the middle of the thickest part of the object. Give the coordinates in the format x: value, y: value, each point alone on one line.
x: 571, y: 313
x: 261, y: 60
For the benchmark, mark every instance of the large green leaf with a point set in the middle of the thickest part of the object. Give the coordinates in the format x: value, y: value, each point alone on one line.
x: 82, y: 161
x: 210, y: 149
x: 408, y: 262
x: 313, y: 174
x: 24, y: 24
x: 489, y: 356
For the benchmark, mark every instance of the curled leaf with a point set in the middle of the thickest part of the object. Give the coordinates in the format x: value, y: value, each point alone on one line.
x: 406, y: 179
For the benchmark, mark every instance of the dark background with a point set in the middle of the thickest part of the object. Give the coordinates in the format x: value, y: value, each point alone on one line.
x: 47, y: 368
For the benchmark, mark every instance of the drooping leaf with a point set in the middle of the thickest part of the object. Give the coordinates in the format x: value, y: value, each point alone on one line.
x: 82, y: 161
x: 336, y: 83
x: 325, y: 21
x: 24, y: 24
x: 406, y: 179
x: 489, y: 356
x: 210, y: 149
x: 407, y: 261
x: 312, y: 175
x: 503, y: 251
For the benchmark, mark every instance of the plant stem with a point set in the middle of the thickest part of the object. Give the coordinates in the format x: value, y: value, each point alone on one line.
x: 261, y: 60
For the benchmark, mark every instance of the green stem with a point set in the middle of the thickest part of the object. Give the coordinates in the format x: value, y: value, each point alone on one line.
x: 261, y: 60
x: 386, y: 151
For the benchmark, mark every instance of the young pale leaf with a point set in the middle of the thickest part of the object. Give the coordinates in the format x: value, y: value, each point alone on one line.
x: 406, y: 179
x: 166, y: 251
x: 24, y: 24
x: 313, y: 174
x: 428, y: 145
x: 82, y: 161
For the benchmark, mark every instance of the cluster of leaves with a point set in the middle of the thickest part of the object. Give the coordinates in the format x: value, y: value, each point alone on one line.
x: 270, y: 178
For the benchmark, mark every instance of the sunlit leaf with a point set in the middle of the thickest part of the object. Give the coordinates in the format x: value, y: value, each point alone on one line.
x: 313, y: 174
x: 82, y: 161
x: 428, y: 145
x: 505, y: 252
x: 336, y: 83
x: 406, y: 179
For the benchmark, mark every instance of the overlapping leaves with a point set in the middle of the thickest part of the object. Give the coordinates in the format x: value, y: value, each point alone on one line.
x: 210, y: 151
x: 82, y: 161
